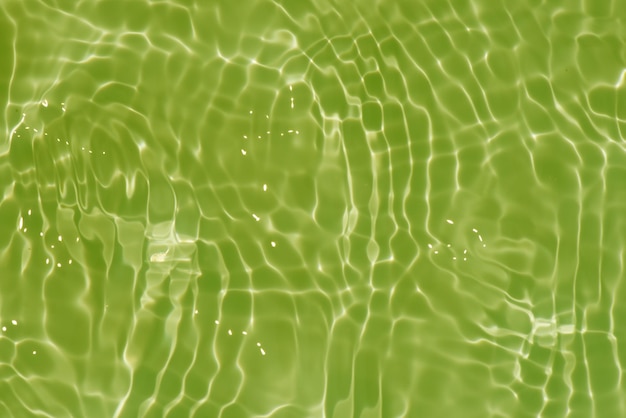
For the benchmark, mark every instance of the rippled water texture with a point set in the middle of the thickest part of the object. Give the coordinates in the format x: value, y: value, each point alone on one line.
x: 312, y: 209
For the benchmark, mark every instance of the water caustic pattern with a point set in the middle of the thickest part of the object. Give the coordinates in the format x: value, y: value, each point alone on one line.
x: 312, y: 209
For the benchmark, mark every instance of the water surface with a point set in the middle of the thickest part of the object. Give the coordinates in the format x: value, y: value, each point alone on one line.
x: 312, y: 209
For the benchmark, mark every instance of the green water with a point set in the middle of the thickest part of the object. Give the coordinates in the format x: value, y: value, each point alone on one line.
x: 312, y: 209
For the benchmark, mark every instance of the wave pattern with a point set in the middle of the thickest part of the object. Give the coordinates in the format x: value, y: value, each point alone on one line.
x: 312, y: 209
